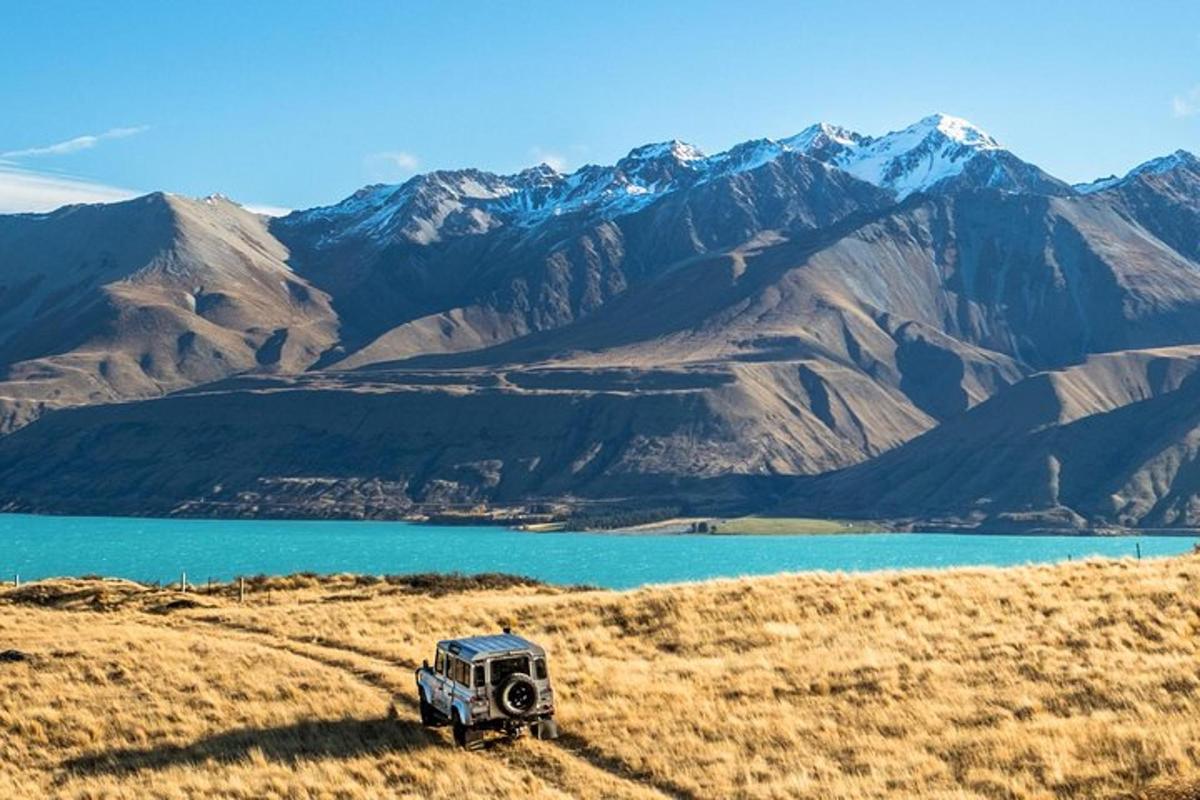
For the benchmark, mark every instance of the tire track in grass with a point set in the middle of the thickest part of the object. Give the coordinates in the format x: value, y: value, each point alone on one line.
x: 549, y: 761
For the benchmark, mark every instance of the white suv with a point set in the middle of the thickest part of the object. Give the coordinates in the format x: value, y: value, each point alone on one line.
x: 482, y: 683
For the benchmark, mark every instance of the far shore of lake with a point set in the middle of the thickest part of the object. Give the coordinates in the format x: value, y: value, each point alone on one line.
x: 762, y: 525
x: 752, y: 526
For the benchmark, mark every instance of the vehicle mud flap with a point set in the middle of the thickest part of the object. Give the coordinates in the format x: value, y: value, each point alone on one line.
x: 545, y: 729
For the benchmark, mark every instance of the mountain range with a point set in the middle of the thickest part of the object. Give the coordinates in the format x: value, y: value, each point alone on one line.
x: 918, y: 327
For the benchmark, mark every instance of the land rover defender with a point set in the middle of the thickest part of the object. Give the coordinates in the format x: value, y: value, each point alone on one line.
x: 488, y: 683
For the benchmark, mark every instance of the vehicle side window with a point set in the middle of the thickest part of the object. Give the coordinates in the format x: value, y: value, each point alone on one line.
x: 539, y: 669
x: 461, y: 672
x: 439, y: 664
x: 480, y: 679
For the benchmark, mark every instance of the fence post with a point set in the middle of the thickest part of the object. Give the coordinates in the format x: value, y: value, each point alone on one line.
x: 17, y: 581
x: 1139, y: 551
x: 241, y: 589
x: 183, y: 581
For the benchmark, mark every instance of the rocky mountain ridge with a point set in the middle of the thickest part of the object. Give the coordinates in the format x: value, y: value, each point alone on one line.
x: 831, y: 323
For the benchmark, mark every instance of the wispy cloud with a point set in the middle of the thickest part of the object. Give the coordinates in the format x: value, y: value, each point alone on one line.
x: 1186, y: 104
x: 69, y: 146
x: 391, y: 164
x: 402, y: 160
x: 21, y: 191
x: 556, y: 161
x: 268, y: 211
x: 25, y: 191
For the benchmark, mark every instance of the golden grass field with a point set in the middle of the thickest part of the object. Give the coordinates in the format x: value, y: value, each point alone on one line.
x: 1072, y: 681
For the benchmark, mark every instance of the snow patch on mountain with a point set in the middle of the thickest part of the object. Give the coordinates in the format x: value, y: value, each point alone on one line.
x: 823, y: 135
x: 916, y: 158
x: 440, y: 205
x: 1155, y: 166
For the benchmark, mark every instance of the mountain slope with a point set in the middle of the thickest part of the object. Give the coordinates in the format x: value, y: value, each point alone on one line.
x: 338, y: 446
x: 994, y: 284
x: 406, y: 297
x: 134, y: 299
x: 1163, y: 195
x: 1110, y: 443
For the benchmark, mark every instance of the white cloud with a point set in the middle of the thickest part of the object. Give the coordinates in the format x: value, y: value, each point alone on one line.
x: 269, y: 211
x: 22, y: 191
x: 32, y: 191
x: 401, y: 160
x: 391, y: 164
x: 75, y: 145
x: 1186, y: 104
x: 556, y: 161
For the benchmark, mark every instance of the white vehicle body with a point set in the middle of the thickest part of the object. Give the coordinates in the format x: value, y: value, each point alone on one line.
x: 499, y: 682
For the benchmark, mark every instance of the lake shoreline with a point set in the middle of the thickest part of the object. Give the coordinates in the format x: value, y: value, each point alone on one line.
x: 683, y: 526
x: 440, y: 583
x: 668, y: 527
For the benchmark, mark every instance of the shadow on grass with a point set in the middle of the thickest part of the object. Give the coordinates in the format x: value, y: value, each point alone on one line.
x: 582, y: 748
x: 342, y: 739
x: 345, y: 738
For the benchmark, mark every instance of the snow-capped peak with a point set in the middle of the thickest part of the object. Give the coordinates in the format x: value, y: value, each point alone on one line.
x: 909, y: 160
x: 958, y: 130
x: 675, y: 149
x: 1155, y: 166
x: 541, y: 175
x: 820, y: 136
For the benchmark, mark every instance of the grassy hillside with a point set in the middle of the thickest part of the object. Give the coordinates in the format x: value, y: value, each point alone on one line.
x: 1074, y: 681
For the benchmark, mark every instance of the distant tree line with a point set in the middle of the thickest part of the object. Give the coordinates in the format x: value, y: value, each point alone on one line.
x: 610, y: 518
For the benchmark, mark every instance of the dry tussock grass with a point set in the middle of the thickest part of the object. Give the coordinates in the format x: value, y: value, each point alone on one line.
x: 1075, y: 681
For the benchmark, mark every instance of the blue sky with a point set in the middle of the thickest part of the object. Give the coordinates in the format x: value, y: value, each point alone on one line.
x: 299, y: 103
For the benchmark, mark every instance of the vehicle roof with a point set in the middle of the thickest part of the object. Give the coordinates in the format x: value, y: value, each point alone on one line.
x: 472, y: 648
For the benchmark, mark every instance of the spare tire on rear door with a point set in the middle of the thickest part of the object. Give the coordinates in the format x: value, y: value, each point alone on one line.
x: 517, y: 696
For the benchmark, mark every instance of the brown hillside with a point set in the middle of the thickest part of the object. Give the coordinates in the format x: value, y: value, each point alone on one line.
x: 137, y: 299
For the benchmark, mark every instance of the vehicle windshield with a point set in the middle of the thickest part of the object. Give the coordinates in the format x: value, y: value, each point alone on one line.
x: 502, y: 668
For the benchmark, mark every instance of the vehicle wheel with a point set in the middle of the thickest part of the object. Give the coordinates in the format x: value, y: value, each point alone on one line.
x: 518, y: 696
x: 460, y: 731
x: 429, y: 715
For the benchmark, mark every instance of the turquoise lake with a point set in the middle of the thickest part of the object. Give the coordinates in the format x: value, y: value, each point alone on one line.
x: 159, y: 549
